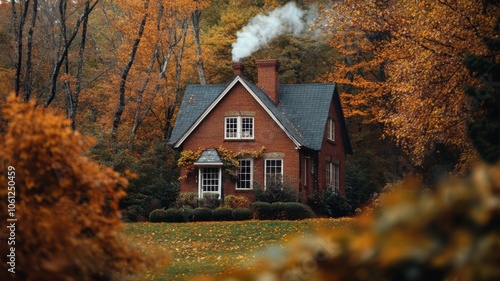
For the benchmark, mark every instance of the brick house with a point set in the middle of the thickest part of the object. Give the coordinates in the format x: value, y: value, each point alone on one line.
x: 300, y: 128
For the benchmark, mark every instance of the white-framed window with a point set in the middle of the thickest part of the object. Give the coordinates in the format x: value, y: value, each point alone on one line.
x: 245, y: 174
x: 332, y: 174
x: 238, y: 127
x: 331, y: 129
x: 305, y: 170
x: 273, y: 170
x: 210, y: 179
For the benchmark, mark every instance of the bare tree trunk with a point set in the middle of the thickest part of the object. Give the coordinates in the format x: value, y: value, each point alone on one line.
x: 18, y: 30
x: 78, y: 82
x: 195, y: 17
x: 125, y: 72
x: 27, y: 73
x: 62, y: 56
x: 141, y: 93
x: 169, y: 114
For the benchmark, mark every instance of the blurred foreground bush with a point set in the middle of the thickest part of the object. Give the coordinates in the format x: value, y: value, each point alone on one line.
x: 66, y: 208
x: 452, y: 233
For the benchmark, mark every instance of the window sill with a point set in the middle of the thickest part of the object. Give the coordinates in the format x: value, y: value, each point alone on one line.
x: 331, y: 141
x: 239, y: 140
x: 244, y: 189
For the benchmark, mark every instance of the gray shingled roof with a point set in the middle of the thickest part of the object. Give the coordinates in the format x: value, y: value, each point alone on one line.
x: 197, y: 98
x: 307, y: 106
x: 303, y: 110
x: 209, y: 157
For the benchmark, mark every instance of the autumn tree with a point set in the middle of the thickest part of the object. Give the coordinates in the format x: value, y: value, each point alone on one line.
x: 63, y: 194
x: 404, y: 63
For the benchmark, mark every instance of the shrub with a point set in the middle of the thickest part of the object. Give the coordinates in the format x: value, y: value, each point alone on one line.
x: 158, y: 215
x: 172, y: 215
x: 185, y: 215
x: 202, y: 214
x: 186, y: 200
x: 241, y: 214
x: 263, y: 211
x: 276, y: 191
x: 317, y: 203
x: 292, y: 211
x: 210, y: 200
x: 233, y: 202
x: 66, y: 196
x: 222, y: 214
x: 337, y: 204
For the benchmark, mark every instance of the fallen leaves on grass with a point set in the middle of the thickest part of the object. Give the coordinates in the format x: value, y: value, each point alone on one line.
x: 210, y: 248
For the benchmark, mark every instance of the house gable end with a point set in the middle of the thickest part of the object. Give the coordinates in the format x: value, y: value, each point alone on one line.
x: 259, y: 97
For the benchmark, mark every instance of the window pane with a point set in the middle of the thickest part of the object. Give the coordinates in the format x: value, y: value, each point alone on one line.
x: 328, y: 173
x: 331, y: 129
x: 247, y: 127
x: 274, y: 170
x: 245, y: 174
x: 210, y: 179
x: 231, y: 127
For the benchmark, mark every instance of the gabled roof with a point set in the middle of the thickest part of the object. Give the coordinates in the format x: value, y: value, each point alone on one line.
x: 209, y: 157
x: 301, y: 114
x: 307, y: 107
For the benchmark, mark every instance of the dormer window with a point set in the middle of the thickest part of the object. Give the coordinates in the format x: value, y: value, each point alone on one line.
x: 238, y: 127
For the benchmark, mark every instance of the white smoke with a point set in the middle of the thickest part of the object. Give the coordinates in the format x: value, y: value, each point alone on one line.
x: 262, y: 29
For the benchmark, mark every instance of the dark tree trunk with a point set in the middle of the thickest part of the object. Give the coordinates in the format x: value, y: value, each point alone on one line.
x: 125, y: 72
x: 18, y: 31
x: 27, y: 73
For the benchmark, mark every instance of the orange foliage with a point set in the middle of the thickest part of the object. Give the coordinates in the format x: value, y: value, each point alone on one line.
x: 66, y: 205
x: 404, y: 63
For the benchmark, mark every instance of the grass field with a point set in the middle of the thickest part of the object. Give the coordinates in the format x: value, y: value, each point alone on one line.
x: 210, y: 248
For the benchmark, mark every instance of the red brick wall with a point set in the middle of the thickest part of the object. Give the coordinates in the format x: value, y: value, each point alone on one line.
x: 334, y: 149
x: 210, y: 133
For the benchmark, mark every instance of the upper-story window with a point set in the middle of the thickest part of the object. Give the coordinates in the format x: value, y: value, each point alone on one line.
x: 239, y: 127
x: 331, y: 129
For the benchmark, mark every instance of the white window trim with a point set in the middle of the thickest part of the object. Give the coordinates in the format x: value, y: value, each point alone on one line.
x: 331, y: 129
x: 333, y: 175
x: 251, y: 175
x: 239, y: 128
x: 200, y: 182
x: 265, y: 169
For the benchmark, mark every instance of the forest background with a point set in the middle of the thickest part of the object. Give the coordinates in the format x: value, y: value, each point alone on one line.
x: 419, y: 80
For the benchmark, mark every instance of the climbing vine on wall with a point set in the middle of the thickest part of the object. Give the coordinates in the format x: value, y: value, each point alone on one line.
x: 229, y: 159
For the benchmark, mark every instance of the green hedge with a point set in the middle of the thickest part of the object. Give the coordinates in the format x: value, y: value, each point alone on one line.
x: 185, y: 215
x: 281, y: 211
x: 263, y: 211
x: 202, y: 214
x: 158, y: 215
x: 172, y: 215
x: 292, y: 211
x: 241, y: 214
x: 222, y: 214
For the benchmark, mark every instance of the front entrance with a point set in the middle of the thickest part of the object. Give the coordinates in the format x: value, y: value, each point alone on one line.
x: 210, y: 180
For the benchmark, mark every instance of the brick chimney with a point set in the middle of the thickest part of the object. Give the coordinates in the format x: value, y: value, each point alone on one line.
x: 238, y: 68
x: 267, y: 75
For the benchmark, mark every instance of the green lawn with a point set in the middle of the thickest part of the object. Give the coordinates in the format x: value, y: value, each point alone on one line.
x: 214, y: 247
